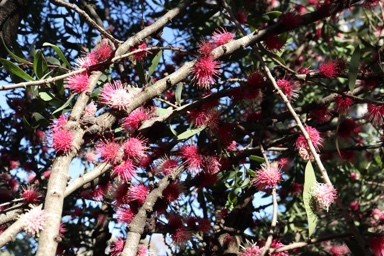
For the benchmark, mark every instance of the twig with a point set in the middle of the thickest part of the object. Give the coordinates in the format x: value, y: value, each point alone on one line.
x: 273, y: 224
x: 90, y: 21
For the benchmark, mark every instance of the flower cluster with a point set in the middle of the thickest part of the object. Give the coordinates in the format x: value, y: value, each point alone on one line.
x: 80, y: 82
x: 325, y: 194
x: 205, y: 69
x: 302, y: 144
x: 115, y: 95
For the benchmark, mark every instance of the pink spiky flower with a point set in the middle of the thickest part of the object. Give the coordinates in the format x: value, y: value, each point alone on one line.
x: 289, y: 89
x: 321, y: 115
x: 134, y: 119
x: 314, y: 136
x: 325, y: 194
x: 329, y: 69
x: 62, y: 141
x: 142, y: 250
x: 204, y: 72
x: 110, y: 152
x: 125, y: 214
x: 181, y: 235
x: 134, y: 148
x: 342, y: 104
x: 242, y: 16
x: 267, y: 177
x: 291, y: 20
x: 172, y: 192
x: 211, y: 164
x: 138, y: 193
x: 273, y: 42
x: 117, y: 247
x: 140, y: 56
x: 33, y: 220
x: 78, y: 82
x: 375, y: 114
x: 115, y: 95
x: 206, y: 47
x: 222, y: 36
x: 103, y: 51
x: 30, y: 194
x: 168, y: 165
x: 87, y: 61
x: 90, y: 110
x: 377, y: 245
x: 252, y: 250
x: 193, y: 158
x: 125, y: 170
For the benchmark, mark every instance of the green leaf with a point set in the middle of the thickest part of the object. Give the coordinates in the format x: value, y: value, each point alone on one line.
x: 154, y: 63
x: 258, y: 159
x: 354, y: 68
x: 179, y: 90
x: 54, y: 61
x: 140, y: 72
x: 189, y: 133
x: 309, y: 182
x: 45, y: 96
x: 66, y: 104
x: 40, y: 66
x: 59, y: 53
x: 14, y: 69
x: 38, y: 117
x: 163, y: 111
x: 14, y: 56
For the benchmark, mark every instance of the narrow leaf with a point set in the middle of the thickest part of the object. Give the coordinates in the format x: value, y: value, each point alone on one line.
x: 45, y: 96
x: 154, y: 63
x: 66, y: 104
x: 140, y: 72
x: 14, y: 56
x: 59, y: 53
x: 163, y: 111
x: 189, y: 133
x: 354, y: 67
x: 14, y: 69
x: 258, y: 159
x: 40, y: 66
x: 309, y: 182
x: 179, y: 90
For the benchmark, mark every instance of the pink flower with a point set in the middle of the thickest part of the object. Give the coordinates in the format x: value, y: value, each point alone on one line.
x: 125, y: 170
x: 273, y: 42
x: 125, y: 214
x: 192, y: 157
x: 354, y: 206
x: 115, y: 95
x: 121, y: 194
x: 134, y: 148
x: 168, y: 165
x: 137, y: 193
x: 181, y: 235
x: 252, y: 250
x: 342, y: 104
x: 267, y: 177
x: 255, y: 79
x: 59, y: 123
x: 296, y: 189
x: 222, y: 36
x: 205, y: 48
x: 33, y: 220
x: 242, y: 16
x: 90, y: 156
x: 338, y: 250
x: 371, y: 4
x: 329, y: 69
x: 204, y: 71
x: 321, y: 115
x: 140, y: 56
x: 62, y: 141
x: 30, y: 195
x: 134, y: 119
x: 103, y: 51
x: 204, y: 225
x: 375, y: 114
x: 210, y: 118
x: 325, y: 194
x: 346, y: 128
x: 110, y: 152
x: 117, y: 247
x: 291, y: 20
x: 172, y: 192
x: 78, y: 82
x: 87, y: 61
x: 142, y: 250
x: 314, y: 136
x: 377, y: 245
x: 276, y: 243
x: 90, y: 110
x: 289, y: 89
x: 14, y: 164
x: 211, y: 164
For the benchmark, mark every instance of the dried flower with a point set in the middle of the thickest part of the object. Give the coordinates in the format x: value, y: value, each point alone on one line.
x: 33, y: 220
x: 325, y: 194
x: 115, y: 95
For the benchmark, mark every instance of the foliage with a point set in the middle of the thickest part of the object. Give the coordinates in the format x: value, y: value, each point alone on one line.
x: 228, y: 127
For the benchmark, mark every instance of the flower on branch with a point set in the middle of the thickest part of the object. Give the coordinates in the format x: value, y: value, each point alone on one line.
x: 289, y: 89
x: 375, y: 114
x: 329, y: 69
x: 134, y: 148
x: 125, y: 171
x: 191, y: 154
x: 125, y: 214
x: 325, y: 194
x: 140, y: 56
x: 110, y: 152
x: 377, y: 245
x: 267, y: 177
x: 205, y: 48
x: 342, y: 104
x: 115, y: 95
x: 78, y: 82
x: 314, y: 136
x: 291, y: 20
x: 204, y: 72
x: 103, y: 51
x: 62, y: 140
x: 222, y: 36
x: 117, y: 247
x: 252, y: 250
x: 30, y: 194
x: 33, y: 220
x: 273, y: 42
x: 137, y: 193
x: 132, y: 122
